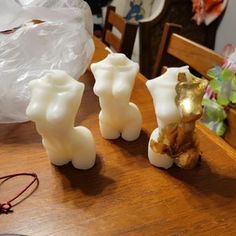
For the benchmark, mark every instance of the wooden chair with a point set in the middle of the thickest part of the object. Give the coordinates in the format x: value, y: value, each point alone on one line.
x: 124, y: 43
x: 178, y: 12
x: 198, y: 57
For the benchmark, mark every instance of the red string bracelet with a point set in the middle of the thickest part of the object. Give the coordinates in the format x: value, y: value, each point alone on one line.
x: 6, y: 207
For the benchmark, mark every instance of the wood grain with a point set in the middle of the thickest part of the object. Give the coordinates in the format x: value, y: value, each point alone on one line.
x: 195, y: 55
x: 123, y: 194
x: 230, y: 135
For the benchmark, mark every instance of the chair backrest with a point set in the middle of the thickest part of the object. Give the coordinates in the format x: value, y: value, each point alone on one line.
x: 198, y: 57
x: 127, y: 30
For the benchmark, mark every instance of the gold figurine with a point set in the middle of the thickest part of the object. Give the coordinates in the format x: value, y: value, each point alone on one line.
x: 179, y: 140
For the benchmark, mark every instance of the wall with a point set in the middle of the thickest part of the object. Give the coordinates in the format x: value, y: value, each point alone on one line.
x: 226, y: 32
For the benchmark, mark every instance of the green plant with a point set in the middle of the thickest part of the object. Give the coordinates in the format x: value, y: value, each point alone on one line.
x: 223, y: 84
x: 221, y: 92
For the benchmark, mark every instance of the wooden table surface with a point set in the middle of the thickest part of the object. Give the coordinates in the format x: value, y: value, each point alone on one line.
x: 122, y: 194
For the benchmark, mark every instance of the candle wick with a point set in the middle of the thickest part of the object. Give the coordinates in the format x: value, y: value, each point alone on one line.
x: 109, y: 50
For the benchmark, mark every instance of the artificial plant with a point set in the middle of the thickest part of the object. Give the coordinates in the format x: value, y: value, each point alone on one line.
x: 221, y: 92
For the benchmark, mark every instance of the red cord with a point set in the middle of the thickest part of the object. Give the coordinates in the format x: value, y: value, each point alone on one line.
x: 6, y: 207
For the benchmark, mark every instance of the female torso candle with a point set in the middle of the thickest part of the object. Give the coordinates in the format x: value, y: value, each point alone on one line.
x: 115, y: 77
x: 55, y: 100
x: 177, y: 96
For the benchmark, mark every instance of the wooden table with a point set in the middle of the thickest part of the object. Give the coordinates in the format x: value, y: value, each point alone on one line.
x: 123, y: 194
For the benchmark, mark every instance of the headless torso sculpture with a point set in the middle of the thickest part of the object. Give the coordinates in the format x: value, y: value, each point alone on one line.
x: 177, y: 97
x: 54, y: 103
x: 114, y: 81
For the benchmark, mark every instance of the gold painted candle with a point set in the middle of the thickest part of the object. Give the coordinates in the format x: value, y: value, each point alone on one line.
x: 177, y: 97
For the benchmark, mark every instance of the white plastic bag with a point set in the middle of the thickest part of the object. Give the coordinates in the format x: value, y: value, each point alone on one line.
x: 62, y: 41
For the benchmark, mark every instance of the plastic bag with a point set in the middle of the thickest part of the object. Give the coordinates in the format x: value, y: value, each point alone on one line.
x: 44, y: 34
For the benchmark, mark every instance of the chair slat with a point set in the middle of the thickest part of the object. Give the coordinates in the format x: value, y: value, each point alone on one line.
x: 117, y: 21
x: 123, y: 43
x: 195, y: 55
x: 113, y: 40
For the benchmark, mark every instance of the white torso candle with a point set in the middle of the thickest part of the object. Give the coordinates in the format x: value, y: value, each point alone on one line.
x: 55, y: 100
x: 114, y: 81
x: 177, y: 96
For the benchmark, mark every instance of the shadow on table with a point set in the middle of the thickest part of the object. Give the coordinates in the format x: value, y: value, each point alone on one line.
x: 90, y: 182
x: 135, y: 148
x: 205, y: 180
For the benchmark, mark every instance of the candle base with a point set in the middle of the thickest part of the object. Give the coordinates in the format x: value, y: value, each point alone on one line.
x: 158, y: 159
x: 80, y: 151
x: 85, y: 157
x: 127, y: 125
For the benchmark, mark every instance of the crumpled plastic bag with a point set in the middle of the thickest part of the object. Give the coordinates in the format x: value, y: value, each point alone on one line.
x: 36, y: 36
